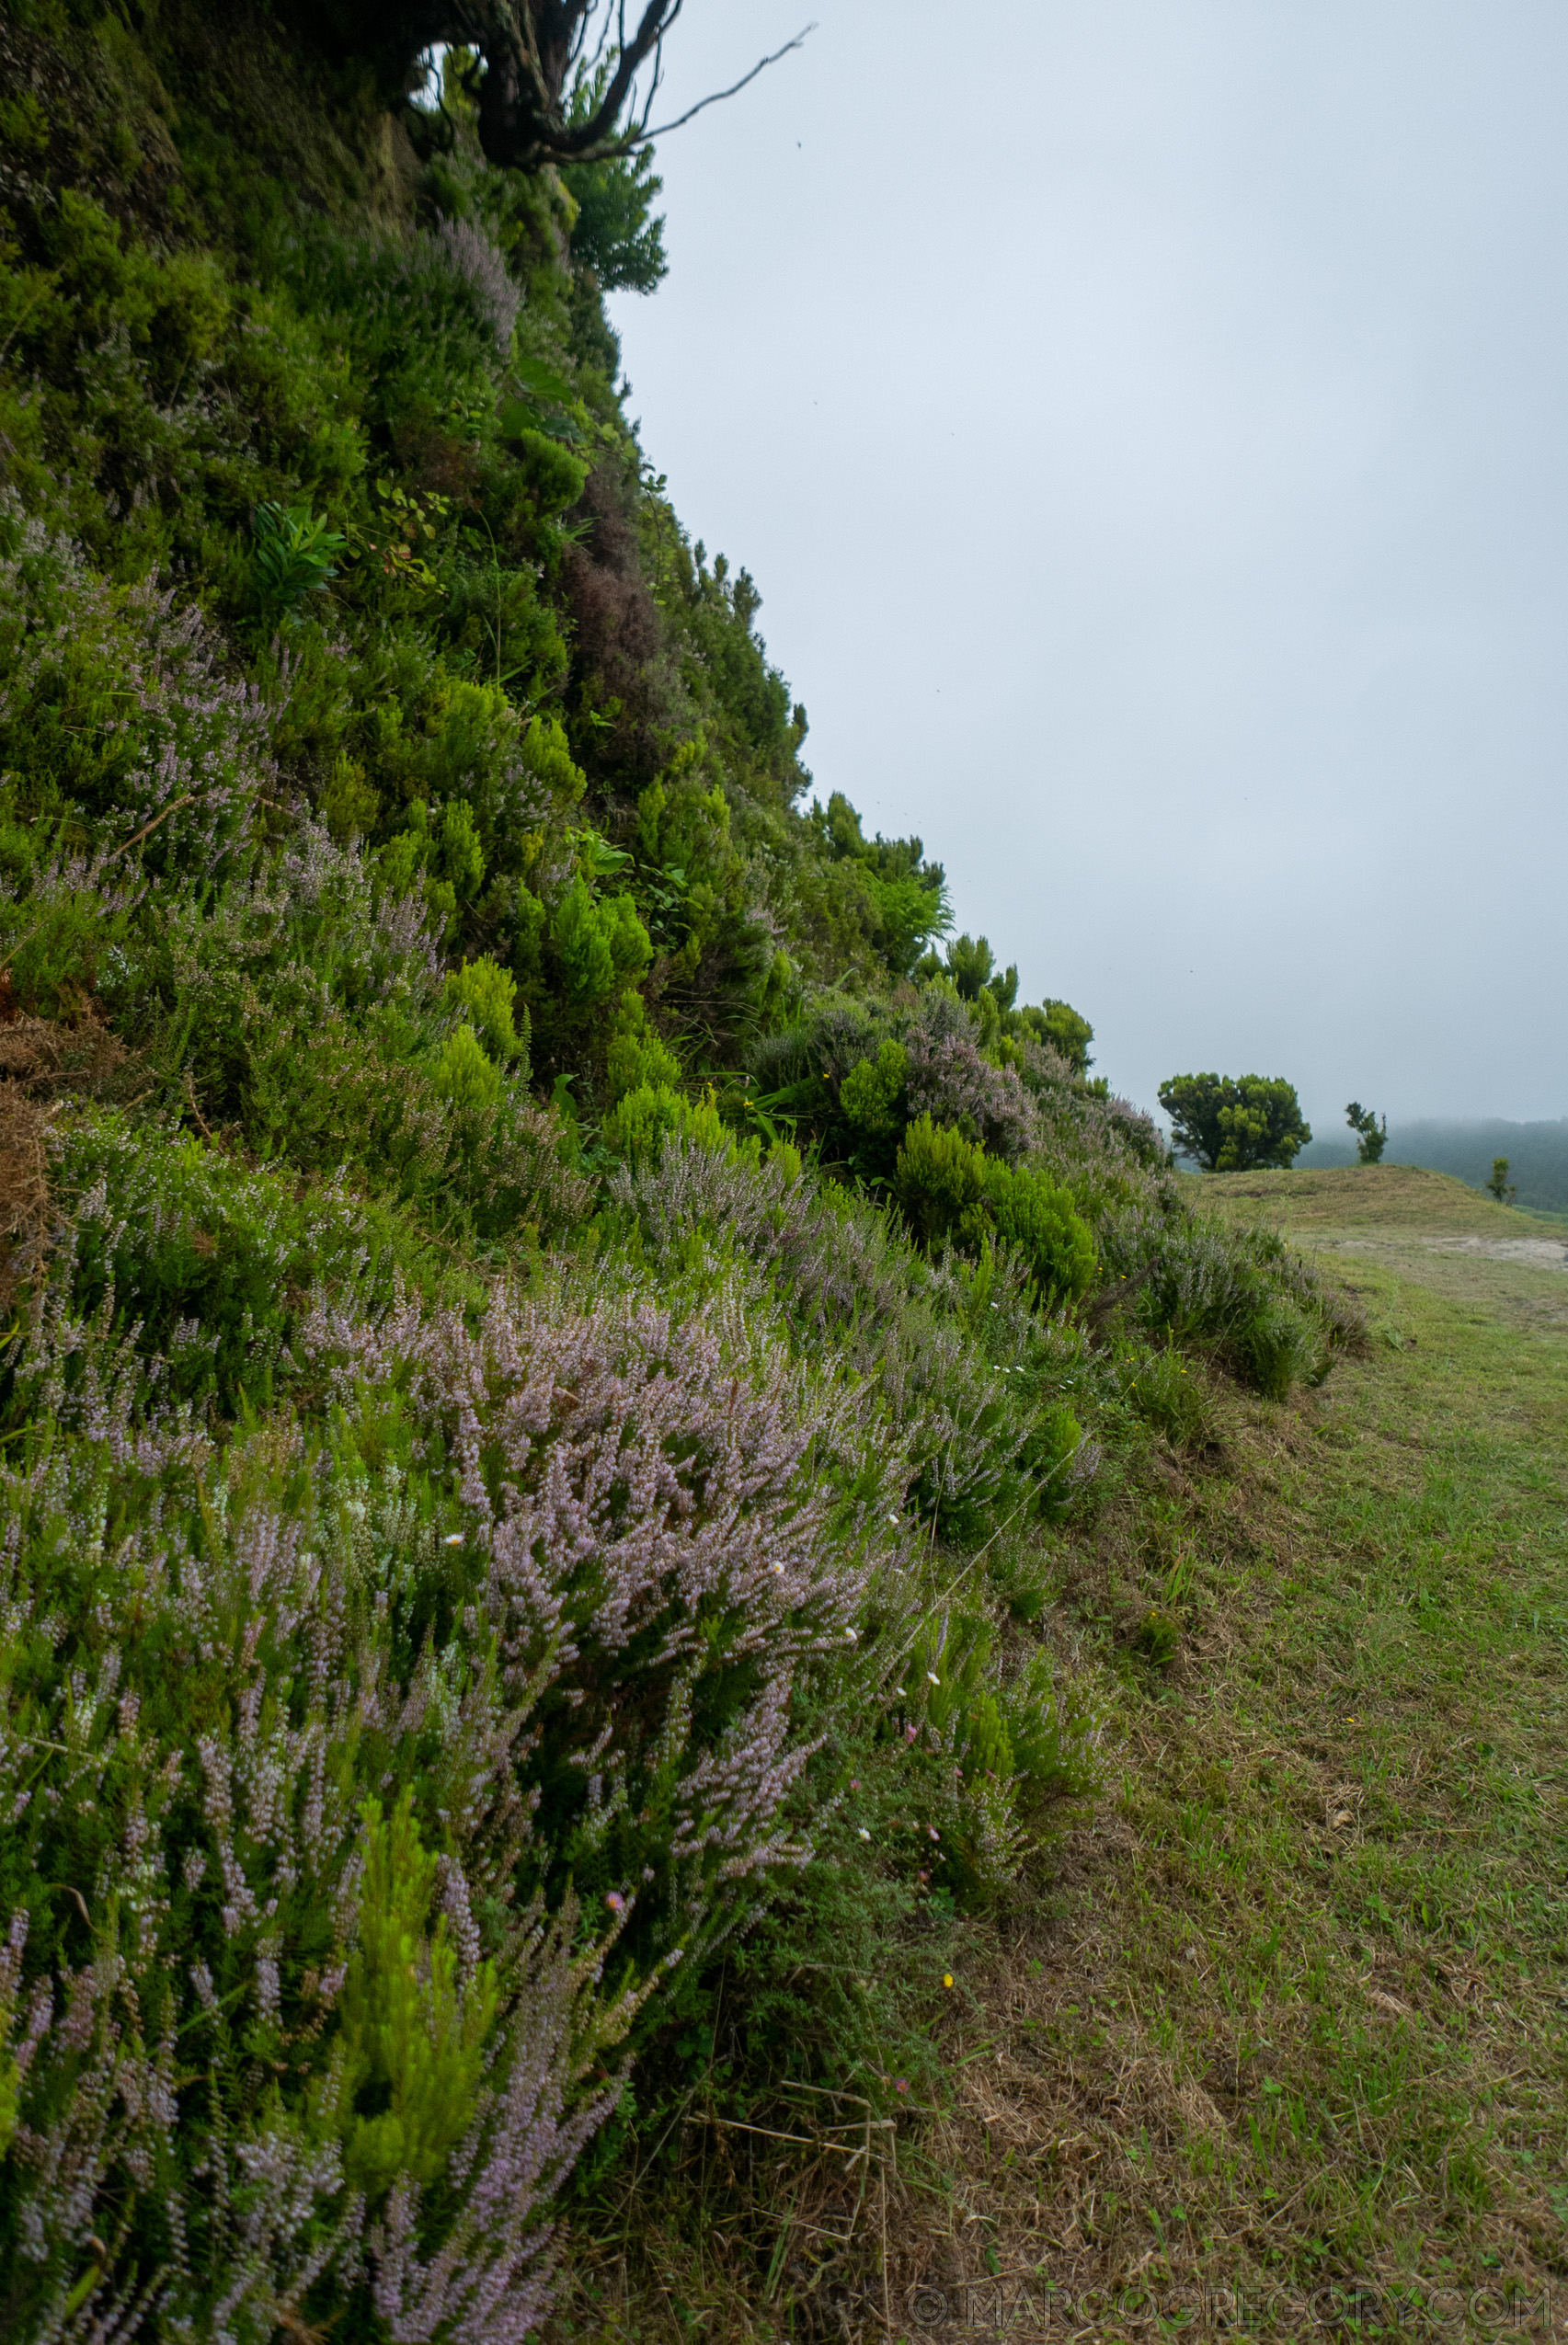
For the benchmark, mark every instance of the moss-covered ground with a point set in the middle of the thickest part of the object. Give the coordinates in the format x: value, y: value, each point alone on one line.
x: 1274, y: 2045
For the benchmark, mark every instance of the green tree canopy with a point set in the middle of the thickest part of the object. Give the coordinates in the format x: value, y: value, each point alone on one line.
x: 615, y: 230
x: 1231, y: 1123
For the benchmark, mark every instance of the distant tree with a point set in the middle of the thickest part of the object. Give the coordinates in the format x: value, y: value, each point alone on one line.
x: 1371, y: 1135
x: 1235, y: 1124
x: 1498, y: 1184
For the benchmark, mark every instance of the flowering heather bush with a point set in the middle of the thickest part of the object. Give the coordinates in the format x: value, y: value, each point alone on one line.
x: 972, y: 1390
x: 525, y: 1626
x: 1109, y: 1153
x: 368, y: 943
x: 64, y: 930
x: 204, y: 1261
x: 121, y: 707
x: 476, y: 258
x: 307, y: 917
x: 655, y: 1559
x: 310, y: 1010
x: 951, y: 1082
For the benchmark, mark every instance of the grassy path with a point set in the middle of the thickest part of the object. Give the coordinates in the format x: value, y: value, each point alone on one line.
x: 1278, y: 2049
x: 1288, y: 2053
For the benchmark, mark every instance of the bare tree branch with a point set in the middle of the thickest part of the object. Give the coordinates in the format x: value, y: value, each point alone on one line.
x: 531, y: 50
x: 716, y: 97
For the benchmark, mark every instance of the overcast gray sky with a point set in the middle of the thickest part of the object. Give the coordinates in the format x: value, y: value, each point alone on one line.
x: 1146, y: 424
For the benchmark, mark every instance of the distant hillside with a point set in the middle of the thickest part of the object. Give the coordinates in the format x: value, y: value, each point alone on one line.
x: 1536, y: 1154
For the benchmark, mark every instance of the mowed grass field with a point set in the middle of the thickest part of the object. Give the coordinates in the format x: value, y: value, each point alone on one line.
x: 1279, y: 2046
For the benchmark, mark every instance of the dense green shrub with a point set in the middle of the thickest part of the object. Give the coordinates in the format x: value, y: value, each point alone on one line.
x: 464, y: 1077
x: 486, y: 993
x: 942, y: 1183
x: 644, y: 1119
x: 905, y: 896
x: 637, y: 1055
x: 950, y: 1190
x: 601, y: 945
x: 1032, y: 1214
x: 872, y: 1093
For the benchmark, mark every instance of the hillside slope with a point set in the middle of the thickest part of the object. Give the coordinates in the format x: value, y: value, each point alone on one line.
x: 1430, y: 1227
x: 564, y: 1331
x: 1536, y: 1154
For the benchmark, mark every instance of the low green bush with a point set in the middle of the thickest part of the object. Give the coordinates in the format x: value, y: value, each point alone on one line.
x: 600, y: 945
x: 872, y: 1098
x: 941, y: 1183
x: 636, y: 1054
x: 1033, y: 1215
x: 1239, y: 1294
x: 953, y: 1191
x: 464, y: 1075
x: 486, y: 993
x: 999, y: 1745
x: 644, y: 1119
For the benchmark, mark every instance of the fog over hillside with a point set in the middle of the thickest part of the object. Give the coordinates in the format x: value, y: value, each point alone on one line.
x: 1536, y: 1154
